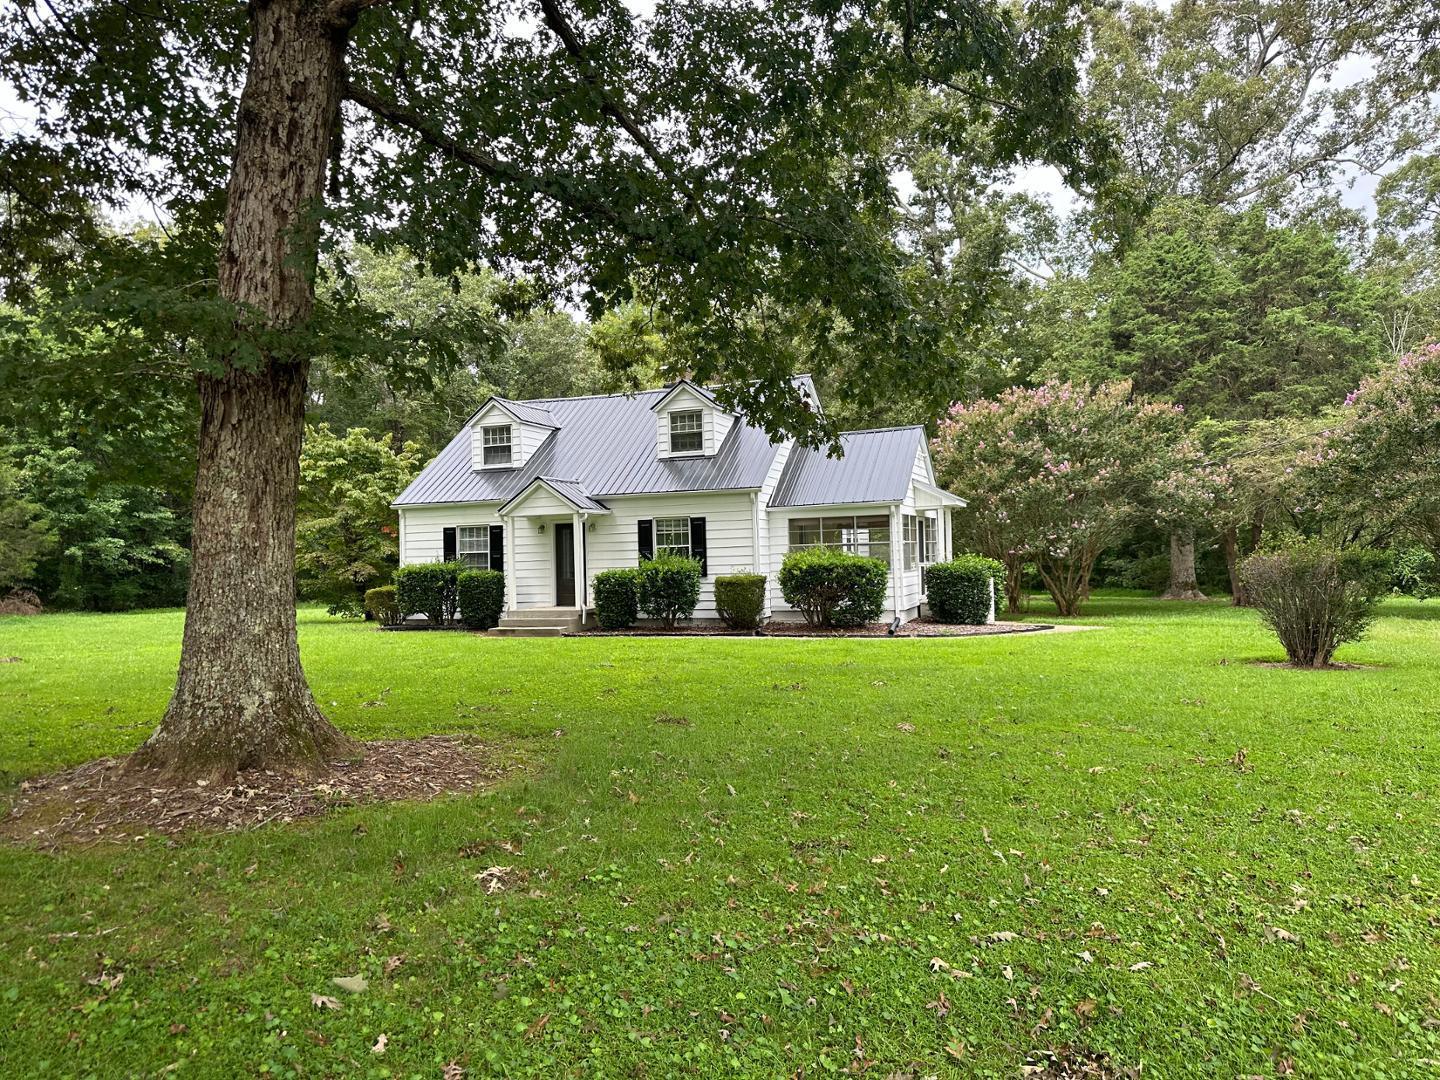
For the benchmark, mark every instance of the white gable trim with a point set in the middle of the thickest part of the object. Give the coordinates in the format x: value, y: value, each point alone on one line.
x: 508, y: 508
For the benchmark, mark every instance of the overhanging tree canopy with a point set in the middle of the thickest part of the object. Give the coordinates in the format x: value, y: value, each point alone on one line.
x: 709, y: 158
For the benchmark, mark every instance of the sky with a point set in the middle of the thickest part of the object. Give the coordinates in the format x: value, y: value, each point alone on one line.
x: 1042, y: 181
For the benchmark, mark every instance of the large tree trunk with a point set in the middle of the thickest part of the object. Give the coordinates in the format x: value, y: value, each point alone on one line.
x: 1183, y: 585
x: 241, y: 700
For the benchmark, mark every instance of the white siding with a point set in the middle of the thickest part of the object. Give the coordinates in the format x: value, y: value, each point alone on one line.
x: 765, y: 561
x: 729, y: 535
x: 525, y: 439
x: 422, y: 528
x: 714, y: 423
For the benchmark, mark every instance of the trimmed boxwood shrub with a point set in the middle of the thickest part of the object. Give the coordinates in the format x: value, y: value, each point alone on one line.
x: 1314, y: 597
x: 382, y: 605
x: 617, y: 598
x: 669, y: 588
x: 429, y: 589
x: 740, y: 600
x: 834, y: 588
x: 961, y: 590
x: 481, y: 594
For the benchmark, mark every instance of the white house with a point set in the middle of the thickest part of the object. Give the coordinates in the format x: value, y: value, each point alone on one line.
x: 553, y: 491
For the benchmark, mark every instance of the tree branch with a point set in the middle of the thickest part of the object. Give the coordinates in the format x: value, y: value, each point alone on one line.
x: 610, y: 104
x: 564, y: 190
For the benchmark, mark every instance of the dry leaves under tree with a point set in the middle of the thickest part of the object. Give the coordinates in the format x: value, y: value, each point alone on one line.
x: 101, y: 801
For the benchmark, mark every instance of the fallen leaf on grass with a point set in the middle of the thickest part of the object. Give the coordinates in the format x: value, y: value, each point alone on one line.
x: 1085, y: 1008
x: 352, y: 983
x: 393, y: 962
x: 380, y: 1044
x: 538, y: 1026
x: 452, y: 1071
x: 936, y: 964
x: 322, y: 1001
x: 1141, y: 966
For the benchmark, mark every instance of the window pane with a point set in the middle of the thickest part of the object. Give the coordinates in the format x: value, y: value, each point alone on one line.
x: 687, y: 433
x: 872, y: 537
x: 473, y: 545
x: 672, y: 536
x: 496, y: 443
x: 804, y: 532
x: 833, y: 531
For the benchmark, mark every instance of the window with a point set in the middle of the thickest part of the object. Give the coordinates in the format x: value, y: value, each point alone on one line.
x: 867, y: 534
x: 910, y: 533
x: 930, y: 537
x: 496, y: 444
x: 672, y: 536
x: 687, y: 432
x: 473, y: 546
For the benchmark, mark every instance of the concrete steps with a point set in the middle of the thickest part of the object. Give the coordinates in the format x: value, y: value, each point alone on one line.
x: 538, y: 622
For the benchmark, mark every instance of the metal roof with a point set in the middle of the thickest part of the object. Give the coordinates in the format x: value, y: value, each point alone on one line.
x: 607, y: 445
x: 708, y: 395
x: 877, y: 468
x: 572, y: 491
x: 526, y: 412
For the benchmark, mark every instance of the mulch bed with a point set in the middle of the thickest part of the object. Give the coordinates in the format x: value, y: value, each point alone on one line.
x: 98, y: 802
x: 916, y: 628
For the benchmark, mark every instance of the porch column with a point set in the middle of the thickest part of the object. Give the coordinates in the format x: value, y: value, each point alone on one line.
x: 579, y: 520
x: 508, y: 566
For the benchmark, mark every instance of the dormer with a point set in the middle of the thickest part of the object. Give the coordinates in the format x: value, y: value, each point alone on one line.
x: 505, y: 434
x: 689, y: 422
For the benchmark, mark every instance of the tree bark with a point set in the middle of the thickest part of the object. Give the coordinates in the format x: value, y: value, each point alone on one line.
x: 241, y: 700
x: 1183, y: 585
x: 1230, y: 539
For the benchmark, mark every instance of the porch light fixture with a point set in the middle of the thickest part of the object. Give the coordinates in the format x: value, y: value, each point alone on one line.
x: 540, y: 527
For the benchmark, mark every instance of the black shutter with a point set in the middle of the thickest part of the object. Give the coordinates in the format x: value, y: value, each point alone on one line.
x: 497, y: 547
x: 647, y: 539
x: 450, y: 545
x: 697, y: 544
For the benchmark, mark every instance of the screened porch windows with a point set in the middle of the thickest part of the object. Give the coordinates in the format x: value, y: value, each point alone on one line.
x: 859, y: 534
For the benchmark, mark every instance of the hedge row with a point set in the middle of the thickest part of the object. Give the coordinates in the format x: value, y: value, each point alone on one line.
x: 441, y: 592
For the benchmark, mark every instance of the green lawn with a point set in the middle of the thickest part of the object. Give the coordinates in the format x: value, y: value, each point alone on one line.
x: 1064, y: 834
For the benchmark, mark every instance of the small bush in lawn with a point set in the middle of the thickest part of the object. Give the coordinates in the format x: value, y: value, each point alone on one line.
x: 382, y: 605
x: 481, y: 595
x: 740, y: 600
x: 617, y: 598
x: 962, y: 590
x: 669, y: 588
x: 429, y: 589
x: 1314, y: 597
x: 834, y: 588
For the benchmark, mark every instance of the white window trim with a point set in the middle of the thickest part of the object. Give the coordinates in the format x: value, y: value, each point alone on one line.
x: 687, y: 549
x: 699, y: 429
x: 910, y: 541
x: 479, y: 545
x: 487, y: 443
x: 853, y: 545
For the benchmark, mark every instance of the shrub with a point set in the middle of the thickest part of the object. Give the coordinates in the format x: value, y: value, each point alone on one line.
x: 963, y: 589
x: 382, y: 605
x: 740, y: 600
x: 833, y: 588
x: 428, y: 589
x: 1413, y: 572
x: 669, y: 588
x: 481, y: 596
x: 617, y: 598
x: 1315, y: 598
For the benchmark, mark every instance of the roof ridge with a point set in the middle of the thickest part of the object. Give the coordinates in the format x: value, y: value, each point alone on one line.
x: 893, y: 427
x: 636, y: 393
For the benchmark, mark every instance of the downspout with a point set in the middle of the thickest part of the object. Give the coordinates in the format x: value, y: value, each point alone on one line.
x: 760, y: 567
x: 584, y: 566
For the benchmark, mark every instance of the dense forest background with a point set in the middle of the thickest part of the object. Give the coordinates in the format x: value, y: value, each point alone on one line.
x: 1265, y: 236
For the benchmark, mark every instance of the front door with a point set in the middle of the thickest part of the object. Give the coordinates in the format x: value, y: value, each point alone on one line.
x: 565, y: 565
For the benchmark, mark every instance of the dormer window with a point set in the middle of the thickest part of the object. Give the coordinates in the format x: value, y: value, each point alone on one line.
x: 687, y: 432
x: 495, y: 443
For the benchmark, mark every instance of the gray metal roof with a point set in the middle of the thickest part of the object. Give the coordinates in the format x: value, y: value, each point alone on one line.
x: 526, y: 412
x: 876, y: 468
x: 607, y: 445
x: 572, y: 491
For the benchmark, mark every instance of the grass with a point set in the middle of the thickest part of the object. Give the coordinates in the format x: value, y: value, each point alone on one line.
x: 770, y: 887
